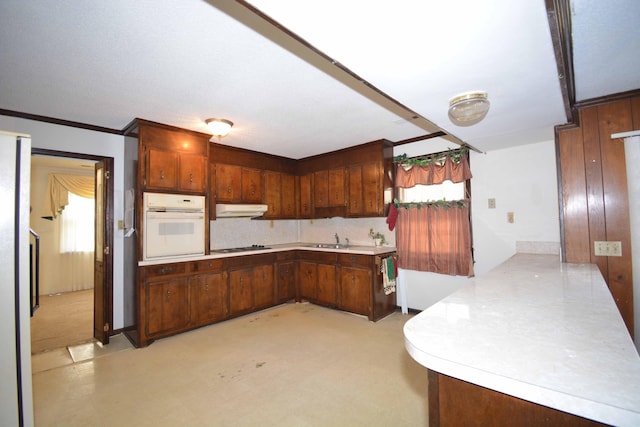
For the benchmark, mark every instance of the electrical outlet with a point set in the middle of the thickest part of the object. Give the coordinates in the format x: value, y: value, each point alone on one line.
x: 510, y: 218
x: 492, y: 203
x: 607, y: 248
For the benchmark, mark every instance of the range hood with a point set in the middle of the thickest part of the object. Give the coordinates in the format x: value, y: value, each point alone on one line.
x: 237, y: 211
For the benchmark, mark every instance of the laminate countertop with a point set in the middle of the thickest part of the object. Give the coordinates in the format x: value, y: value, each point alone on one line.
x: 328, y: 247
x: 539, y: 330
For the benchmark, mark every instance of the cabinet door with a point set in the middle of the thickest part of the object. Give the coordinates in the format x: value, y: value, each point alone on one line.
x: 327, y: 284
x: 308, y: 280
x: 263, y: 286
x: 192, y: 172
x: 272, y: 187
x: 354, y: 289
x: 286, y: 281
x: 162, y: 169
x: 372, y: 204
x: 321, y: 189
x: 167, y: 305
x: 336, y: 187
x: 288, y: 195
x: 240, y: 291
x: 305, y: 196
x: 228, y: 183
x: 251, y: 185
x: 355, y: 191
x: 209, y: 298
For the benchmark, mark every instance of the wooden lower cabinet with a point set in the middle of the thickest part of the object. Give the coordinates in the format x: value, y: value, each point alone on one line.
x: 209, y: 298
x: 355, y: 290
x: 240, y: 291
x: 176, y: 297
x: 453, y: 402
x: 167, y: 305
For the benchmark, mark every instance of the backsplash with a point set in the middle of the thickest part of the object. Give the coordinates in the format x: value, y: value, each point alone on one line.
x: 238, y: 232
x: 355, y: 229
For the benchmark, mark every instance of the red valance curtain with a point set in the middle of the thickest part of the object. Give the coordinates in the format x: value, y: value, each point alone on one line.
x: 434, y: 173
x: 434, y: 237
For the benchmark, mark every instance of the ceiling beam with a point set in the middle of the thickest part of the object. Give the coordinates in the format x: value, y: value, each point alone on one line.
x: 274, y: 31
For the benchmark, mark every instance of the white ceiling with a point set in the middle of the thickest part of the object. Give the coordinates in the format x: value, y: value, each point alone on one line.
x: 179, y: 63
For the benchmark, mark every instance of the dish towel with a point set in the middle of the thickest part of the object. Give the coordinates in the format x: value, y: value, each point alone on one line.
x: 388, y: 270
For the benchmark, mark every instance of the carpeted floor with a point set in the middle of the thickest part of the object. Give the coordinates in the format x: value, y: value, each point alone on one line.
x: 62, y: 320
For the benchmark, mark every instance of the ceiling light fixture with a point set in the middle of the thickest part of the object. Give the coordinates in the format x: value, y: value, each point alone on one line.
x: 468, y: 108
x: 219, y: 127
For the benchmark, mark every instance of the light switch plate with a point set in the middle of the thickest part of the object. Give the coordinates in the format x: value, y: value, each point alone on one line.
x: 602, y: 248
x: 510, y: 218
x: 492, y: 203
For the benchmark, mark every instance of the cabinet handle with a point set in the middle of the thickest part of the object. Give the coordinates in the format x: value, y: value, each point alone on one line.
x: 229, y: 190
x: 162, y: 174
x: 206, y: 287
x: 191, y: 177
x: 168, y: 295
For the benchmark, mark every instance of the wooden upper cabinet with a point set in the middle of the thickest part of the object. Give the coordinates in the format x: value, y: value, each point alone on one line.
x: 193, y: 174
x: 251, y: 185
x: 305, y: 207
x: 365, y: 190
x: 162, y: 169
x: 288, y: 196
x: 228, y: 183
x: 172, y: 159
x: 321, y: 189
x: 337, y: 194
x: 273, y: 194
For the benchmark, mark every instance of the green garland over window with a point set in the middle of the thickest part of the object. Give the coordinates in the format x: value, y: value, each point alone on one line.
x: 444, y: 204
x: 454, y: 155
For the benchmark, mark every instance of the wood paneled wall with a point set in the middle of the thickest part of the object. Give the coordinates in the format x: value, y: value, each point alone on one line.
x: 594, y: 196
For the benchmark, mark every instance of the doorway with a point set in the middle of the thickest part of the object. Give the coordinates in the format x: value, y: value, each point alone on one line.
x: 72, y: 298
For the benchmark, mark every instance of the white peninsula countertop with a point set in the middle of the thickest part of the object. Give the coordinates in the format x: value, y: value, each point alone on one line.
x: 539, y: 330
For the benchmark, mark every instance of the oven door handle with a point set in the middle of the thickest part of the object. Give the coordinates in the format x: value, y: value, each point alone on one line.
x: 174, y: 215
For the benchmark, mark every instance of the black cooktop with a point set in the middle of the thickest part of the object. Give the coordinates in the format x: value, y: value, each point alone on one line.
x: 242, y: 249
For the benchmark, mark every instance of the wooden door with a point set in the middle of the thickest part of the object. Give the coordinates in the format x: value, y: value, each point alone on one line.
x: 337, y: 187
x: 286, y: 281
x: 321, y: 189
x: 263, y: 286
x: 355, y: 191
x: 251, y: 185
x: 228, y: 183
x: 103, y: 253
x: 272, y: 188
x: 162, y: 170
x: 308, y: 280
x: 167, y: 305
x: 327, y: 284
x: 305, y: 196
x: 209, y: 298
x: 240, y: 291
x: 355, y: 285
x: 288, y: 196
x: 371, y: 190
x: 192, y: 172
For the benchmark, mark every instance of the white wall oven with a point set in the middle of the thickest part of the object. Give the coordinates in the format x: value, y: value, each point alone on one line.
x: 173, y: 226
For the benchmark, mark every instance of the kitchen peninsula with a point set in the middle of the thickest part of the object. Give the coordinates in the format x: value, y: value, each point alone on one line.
x: 535, y: 341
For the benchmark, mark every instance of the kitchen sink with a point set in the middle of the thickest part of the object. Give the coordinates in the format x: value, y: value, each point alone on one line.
x: 328, y: 245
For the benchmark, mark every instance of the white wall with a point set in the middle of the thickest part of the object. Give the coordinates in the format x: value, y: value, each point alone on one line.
x: 523, y: 181
x: 64, y: 138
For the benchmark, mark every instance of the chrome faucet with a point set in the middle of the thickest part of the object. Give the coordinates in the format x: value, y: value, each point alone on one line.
x: 337, y: 239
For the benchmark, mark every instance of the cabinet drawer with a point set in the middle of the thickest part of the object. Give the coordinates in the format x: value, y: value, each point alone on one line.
x: 285, y: 256
x: 235, y: 263
x: 164, y: 269
x: 354, y: 260
x: 322, y: 257
x: 208, y: 265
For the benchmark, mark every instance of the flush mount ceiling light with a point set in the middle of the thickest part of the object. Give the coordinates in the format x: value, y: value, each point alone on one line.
x: 468, y: 108
x: 219, y: 127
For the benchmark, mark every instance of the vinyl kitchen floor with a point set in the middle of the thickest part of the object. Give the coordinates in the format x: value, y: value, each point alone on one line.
x: 293, y: 365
